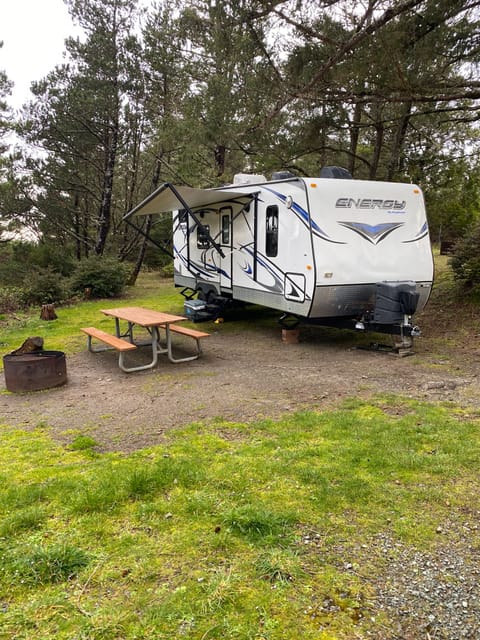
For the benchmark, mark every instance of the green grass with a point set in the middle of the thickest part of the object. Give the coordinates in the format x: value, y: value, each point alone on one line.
x: 211, y: 537
x: 64, y: 332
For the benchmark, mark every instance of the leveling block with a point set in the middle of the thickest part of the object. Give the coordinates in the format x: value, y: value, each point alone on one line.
x: 400, y: 350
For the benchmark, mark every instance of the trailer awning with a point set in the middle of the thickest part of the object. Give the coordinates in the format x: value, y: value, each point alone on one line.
x: 169, y: 197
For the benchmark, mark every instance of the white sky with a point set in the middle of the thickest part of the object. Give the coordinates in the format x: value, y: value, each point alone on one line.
x: 33, y: 33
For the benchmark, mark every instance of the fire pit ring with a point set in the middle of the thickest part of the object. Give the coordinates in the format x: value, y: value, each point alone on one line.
x: 34, y: 371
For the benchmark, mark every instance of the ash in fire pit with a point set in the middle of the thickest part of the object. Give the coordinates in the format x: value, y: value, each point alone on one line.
x: 31, y: 368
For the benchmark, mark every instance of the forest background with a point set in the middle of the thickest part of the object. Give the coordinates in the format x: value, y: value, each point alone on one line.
x: 192, y: 92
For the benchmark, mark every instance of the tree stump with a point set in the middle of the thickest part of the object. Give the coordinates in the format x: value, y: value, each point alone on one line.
x: 34, y: 343
x: 48, y: 312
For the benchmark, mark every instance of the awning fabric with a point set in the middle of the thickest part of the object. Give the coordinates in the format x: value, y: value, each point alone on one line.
x: 165, y: 198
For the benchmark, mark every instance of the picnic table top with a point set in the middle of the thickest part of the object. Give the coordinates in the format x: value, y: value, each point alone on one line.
x: 142, y: 316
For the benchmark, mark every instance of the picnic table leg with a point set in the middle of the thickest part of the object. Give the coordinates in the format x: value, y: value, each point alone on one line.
x: 142, y: 367
x: 169, y: 348
x: 89, y: 344
x: 128, y: 334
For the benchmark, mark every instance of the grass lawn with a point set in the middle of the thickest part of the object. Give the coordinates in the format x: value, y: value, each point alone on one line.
x: 227, y: 530
x: 64, y: 334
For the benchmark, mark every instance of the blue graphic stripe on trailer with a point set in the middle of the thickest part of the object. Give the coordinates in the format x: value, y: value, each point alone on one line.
x: 373, y: 233
x: 279, y: 276
x: 269, y: 268
x: 421, y: 234
x: 305, y: 217
x: 197, y: 268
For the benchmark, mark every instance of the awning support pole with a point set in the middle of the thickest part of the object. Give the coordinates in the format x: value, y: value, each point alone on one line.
x: 150, y: 239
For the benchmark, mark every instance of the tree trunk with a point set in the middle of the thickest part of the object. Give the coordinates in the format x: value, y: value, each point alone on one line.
x: 76, y: 226
x: 354, y: 135
x: 143, y: 247
x: 379, y: 131
x: 395, y: 162
x: 220, y: 159
x: 105, y: 213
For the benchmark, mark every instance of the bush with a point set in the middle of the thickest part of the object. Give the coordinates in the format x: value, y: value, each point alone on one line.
x: 44, y: 255
x: 465, y: 261
x: 103, y: 277
x: 45, y: 287
x: 12, y: 299
x: 167, y: 270
x: 13, y: 273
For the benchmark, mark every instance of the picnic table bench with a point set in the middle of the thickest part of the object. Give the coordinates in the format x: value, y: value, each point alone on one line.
x: 112, y: 341
x: 192, y: 333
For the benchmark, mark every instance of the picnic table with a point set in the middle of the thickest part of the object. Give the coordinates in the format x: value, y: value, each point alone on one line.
x: 154, y: 322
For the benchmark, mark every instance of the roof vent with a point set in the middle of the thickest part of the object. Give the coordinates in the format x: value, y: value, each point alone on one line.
x: 248, y: 178
x: 335, y: 172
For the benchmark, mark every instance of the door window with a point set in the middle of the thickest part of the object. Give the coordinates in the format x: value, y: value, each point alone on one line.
x: 226, y: 228
x: 271, y: 236
x: 203, y: 234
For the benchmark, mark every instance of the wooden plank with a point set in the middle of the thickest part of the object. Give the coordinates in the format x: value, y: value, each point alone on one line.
x: 107, y: 338
x: 142, y: 316
x: 193, y: 333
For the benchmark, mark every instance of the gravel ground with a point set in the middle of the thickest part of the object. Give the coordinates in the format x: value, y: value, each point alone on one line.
x: 432, y: 594
x: 406, y: 593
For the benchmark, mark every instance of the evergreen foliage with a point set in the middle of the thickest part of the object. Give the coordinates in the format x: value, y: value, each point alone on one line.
x: 12, y: 299
x: 466, y: 259
x: 194, y: 92
x: 101, y: 277
x: 44, y: 287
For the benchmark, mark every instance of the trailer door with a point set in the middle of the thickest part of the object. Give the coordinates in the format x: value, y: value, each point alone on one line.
x: 226, y: 245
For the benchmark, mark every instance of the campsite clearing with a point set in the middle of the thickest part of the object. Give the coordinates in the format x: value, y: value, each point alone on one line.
x: 247, y: 373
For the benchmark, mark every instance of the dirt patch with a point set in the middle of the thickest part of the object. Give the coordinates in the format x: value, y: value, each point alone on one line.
x: 243, y: 375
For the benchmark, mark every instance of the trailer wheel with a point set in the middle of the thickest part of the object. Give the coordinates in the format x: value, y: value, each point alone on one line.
x: 207, y: 296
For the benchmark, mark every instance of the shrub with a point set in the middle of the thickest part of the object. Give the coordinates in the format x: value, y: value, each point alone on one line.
x: 465, y: 261
x: 53, y: 256
x: 104, y: 277
x: 45, y: 287
x: 12, y: 299
x: 13, y: 273
x: 167, y: 270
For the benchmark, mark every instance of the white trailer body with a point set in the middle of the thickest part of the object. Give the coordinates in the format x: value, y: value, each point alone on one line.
x: 315, y: 248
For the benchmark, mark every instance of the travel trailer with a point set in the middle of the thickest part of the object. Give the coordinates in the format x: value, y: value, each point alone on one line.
x: 341, y: 252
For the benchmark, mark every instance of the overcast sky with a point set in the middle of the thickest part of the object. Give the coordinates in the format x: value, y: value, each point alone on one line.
x: 33, y: 32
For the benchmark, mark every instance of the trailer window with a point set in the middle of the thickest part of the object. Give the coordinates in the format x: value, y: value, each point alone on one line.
x: 226, y: 229
x: 203, y: 234
x: 271, y: 235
